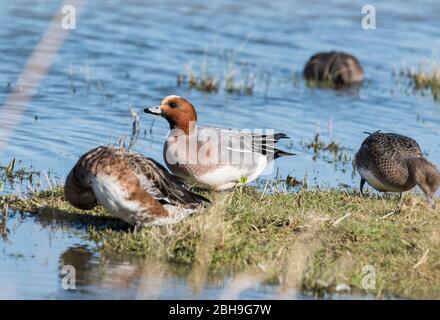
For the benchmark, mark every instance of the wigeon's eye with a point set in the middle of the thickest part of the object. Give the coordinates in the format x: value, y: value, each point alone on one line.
x: 172, y: 105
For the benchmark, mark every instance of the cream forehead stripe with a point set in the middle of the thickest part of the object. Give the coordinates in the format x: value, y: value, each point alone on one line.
x: 164, y: 101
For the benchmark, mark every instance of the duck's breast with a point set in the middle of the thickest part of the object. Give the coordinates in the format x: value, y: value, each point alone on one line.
x: 375, y: 182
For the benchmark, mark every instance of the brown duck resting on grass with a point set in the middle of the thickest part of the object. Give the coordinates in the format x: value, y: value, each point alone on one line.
x: 394, y: 163
x: 130, y: 186
x: 338, y: 68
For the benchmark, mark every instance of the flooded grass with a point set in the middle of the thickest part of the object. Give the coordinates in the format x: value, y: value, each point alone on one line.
x: 425, y: 78
x: 235, y: 80
x: 15, y: 172
x: 320, y: 242
x: 232, y: 77
x: 330, y: 151
x: 229, y: 74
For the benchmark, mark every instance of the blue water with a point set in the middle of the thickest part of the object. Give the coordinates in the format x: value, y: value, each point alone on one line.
x: 128, y: 55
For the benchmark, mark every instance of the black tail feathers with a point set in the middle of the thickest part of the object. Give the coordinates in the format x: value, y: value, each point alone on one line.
x: 280, y: 153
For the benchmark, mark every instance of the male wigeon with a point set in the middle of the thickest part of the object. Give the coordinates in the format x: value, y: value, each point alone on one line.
x: 394, y: 163
x: 210, y: 157
x: 130, y: 186
x: 338, y: 68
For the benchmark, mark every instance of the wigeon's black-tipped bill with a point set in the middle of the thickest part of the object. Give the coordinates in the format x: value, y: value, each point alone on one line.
x: 154, y: 110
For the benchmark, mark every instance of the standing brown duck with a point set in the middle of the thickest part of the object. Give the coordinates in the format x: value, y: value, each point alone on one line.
x: 338, y: 68
x: 394, y: 163
x: 130, y: 186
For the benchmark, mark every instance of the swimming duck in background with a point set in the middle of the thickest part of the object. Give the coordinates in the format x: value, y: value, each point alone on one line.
x: 394, y: 163
x: 211, y: 157
x: 130, y: 186
x: 337, y: 67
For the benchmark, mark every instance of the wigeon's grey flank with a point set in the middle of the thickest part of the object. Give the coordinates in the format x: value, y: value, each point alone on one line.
x: 337, y: 67
x: 130, y: 186
x: 394, y: 163
x: 225, y: 157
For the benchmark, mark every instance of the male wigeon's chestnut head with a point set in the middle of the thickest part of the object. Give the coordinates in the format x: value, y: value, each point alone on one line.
x: 179, y: 113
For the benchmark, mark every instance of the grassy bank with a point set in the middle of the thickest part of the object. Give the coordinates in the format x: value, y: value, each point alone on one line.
x: 314, y: 241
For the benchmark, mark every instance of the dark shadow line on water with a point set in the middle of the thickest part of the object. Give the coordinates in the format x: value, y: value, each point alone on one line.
x: 47, y: 216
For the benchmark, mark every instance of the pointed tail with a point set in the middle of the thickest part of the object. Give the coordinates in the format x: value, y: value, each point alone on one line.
x: 280, y: 153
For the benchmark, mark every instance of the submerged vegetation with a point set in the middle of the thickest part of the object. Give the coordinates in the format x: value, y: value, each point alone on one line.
x: 330, y: 151
x: 235, y: 79
x: 226, y: 73
x: 230, y: 76
x: 425, y: 77
x: 311, y: 241
x: 14, y: 172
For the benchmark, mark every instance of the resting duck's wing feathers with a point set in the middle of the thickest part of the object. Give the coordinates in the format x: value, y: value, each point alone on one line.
x: 246, y: 141
x: 162, y: 185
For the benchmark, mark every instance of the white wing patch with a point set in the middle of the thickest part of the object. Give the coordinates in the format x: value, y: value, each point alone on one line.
x: 112, y: 196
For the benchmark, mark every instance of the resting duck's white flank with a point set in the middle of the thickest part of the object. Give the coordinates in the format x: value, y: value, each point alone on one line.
x: 130, y: 186
x: 230, y: 156
x: 394, y: 163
